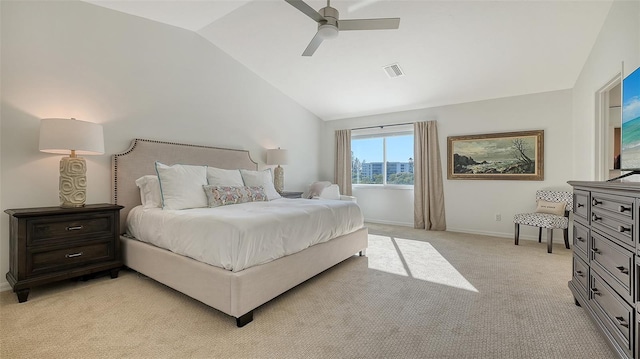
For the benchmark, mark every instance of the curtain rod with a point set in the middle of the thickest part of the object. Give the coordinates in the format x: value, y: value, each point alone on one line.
x: 382, y: 126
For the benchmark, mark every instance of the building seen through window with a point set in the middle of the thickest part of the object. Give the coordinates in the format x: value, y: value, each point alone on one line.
x: 384, y: 159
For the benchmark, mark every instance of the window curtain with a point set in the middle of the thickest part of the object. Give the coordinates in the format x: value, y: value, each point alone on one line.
x: 428, y: 191
x: 342, y: 171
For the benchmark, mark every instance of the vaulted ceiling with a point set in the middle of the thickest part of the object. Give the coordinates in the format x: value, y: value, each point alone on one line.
x: 450, y: 51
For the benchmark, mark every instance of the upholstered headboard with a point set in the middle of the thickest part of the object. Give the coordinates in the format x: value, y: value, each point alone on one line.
x: 140, y: 158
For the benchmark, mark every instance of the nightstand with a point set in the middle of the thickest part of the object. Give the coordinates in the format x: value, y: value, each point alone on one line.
x: 50, y: 244
x: 286, y: 194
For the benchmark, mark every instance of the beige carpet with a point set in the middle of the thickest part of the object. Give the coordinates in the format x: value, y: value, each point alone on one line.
x: 417, y: 294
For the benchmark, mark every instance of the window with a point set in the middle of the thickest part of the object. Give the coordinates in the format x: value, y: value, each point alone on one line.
x: 381, y: 157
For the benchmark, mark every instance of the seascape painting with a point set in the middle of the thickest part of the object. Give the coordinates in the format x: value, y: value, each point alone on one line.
x: 511, y: 155
x: 630, y: 156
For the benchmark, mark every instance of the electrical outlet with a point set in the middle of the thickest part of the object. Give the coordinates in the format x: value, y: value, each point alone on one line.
x: 498, y: 217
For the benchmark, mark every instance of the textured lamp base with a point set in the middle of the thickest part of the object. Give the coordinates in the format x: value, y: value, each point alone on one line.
x: 278, y: 179
x: 73, y: 182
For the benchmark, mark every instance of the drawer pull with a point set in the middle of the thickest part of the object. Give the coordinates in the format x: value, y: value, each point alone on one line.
x: 74, y: 255
x: 623, y: 270
x: 579, y: 273
x: 623, y: 229
x: 580, y: 205
x: 596, y: 251
x: 622, y: 322
x: 595, y: 218
x: 624, y: 209
x: 595, y: 291
x: 580, y: 239
x: 75, y: 228
x: 595, y: 202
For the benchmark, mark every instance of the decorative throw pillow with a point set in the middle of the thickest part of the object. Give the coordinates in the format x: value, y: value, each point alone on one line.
x: 260, y: 179
x: 222, y: 177
x: 226, y: 195
x: 556, y: 208
x: 256, y: 194
x: 150, y: 195
x: 181, y: 186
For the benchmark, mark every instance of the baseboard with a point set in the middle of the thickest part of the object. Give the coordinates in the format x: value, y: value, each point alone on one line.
x: 493, y: 234
x: 393, y: 223
x: 4, y: 286
x: 459, y: 230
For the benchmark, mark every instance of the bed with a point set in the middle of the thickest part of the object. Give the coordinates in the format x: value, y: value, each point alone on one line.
x: 236, y: 293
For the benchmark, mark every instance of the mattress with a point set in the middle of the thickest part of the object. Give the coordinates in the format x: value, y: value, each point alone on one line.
x: 239, y: 236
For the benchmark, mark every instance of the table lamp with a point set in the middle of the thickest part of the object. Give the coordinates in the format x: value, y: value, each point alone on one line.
x: 73, y: 137
x: 278, y: 157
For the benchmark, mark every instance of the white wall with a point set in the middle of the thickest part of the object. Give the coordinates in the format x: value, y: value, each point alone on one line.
x: 618, y: 41
x: 471, y: 205
x: 139, y: 79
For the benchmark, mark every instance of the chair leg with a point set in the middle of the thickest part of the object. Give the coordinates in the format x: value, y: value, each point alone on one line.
x: 517, y: 234
x: 566, y: 238
x: 549, y: 239
x: 540, y: 235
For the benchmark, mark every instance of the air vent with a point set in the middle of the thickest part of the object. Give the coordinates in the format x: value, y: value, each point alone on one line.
x: 393, y: 70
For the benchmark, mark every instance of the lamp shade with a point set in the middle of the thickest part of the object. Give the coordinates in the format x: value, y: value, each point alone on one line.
x: 62, y: 135
x: 277, y: 156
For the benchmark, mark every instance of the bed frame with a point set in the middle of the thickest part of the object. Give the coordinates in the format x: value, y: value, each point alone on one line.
x: 234, y: 293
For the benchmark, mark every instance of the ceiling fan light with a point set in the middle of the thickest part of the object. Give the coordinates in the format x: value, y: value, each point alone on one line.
x: 328, y: 32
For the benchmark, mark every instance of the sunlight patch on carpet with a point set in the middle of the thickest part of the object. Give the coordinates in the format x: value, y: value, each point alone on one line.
x: 415, y: 259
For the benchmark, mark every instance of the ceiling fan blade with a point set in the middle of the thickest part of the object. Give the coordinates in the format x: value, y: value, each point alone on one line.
x: 307, y: 10
x: 313, y: 45
x: 369, y: 24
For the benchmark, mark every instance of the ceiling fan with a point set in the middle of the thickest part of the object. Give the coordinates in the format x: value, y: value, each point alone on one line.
x: 329, y: 23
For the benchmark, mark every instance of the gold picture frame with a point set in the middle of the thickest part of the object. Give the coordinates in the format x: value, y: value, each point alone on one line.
x: 497, y: 156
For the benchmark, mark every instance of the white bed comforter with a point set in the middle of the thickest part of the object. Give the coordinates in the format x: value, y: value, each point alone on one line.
x: 236, y: 237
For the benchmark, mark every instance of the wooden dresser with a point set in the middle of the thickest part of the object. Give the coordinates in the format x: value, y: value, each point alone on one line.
x: 52, y: 243
x: 606, y: 259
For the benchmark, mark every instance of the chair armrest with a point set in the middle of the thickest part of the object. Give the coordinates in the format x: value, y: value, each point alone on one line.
x: 348, y: 198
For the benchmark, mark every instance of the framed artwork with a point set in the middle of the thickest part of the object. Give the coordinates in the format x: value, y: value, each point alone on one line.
x: 497, y: 156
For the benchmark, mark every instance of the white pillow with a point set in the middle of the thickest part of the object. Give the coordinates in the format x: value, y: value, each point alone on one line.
x: 181, y: 186
x: 260, y: 178
x: 331, y: 192
x: 224, y: 178
x: 150, y: 194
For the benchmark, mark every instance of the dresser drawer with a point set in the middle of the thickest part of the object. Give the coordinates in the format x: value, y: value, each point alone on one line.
x: 581, y: 275
x: 637, y: 335
x: 617, y: 205
x: 581, y: 204
x: 581, y: 240
x: 619, y: 229
x: 617, y: 316
x: 614, y: 263
x: 71, y: 256
x: 50, y: 230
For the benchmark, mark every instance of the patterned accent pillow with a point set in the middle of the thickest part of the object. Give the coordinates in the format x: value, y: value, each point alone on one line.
x: 226, y: 195
x: 256, y: 194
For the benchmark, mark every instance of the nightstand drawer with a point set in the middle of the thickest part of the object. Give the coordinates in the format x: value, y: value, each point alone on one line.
x: 49, y: 230
x: 62, y: 258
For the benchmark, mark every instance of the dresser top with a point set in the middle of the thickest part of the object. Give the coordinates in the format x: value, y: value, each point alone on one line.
x: 617, y: 185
